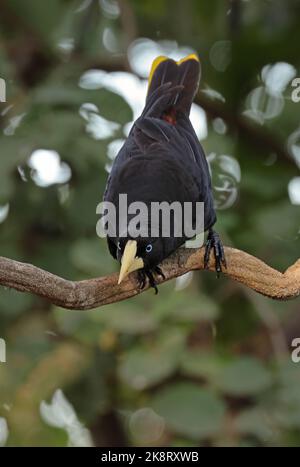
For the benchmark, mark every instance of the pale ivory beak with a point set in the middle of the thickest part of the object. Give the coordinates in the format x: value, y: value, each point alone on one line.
x: 129, y: 262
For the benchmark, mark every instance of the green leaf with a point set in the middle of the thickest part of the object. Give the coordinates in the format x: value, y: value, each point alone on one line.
x: 87, y: 256
x: 146, y: 366
x: 13, y: 303
x: 205, y: 310
x: 190, y: 410
x: 183, y: 306
x: 196, y: 363
x: 128, y: 319
x: 254, y: 422
x: 288, y: 396
x: 244, y: 377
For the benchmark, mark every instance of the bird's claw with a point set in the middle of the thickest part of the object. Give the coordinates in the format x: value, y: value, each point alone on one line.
x: 143, y: 275
x: 214, y: 242
x: 159, y: 272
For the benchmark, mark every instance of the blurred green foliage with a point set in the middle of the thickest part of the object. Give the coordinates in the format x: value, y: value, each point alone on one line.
x: 206, y: 362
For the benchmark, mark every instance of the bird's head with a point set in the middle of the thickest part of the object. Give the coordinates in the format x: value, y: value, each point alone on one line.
x: 140, y: 253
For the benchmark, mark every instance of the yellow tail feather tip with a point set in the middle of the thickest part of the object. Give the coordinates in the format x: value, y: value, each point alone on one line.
x: 155, y: 63
x: 188, y: 57
x: 162, y: 58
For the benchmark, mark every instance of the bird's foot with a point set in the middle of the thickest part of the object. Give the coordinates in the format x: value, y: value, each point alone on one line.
x: 141, y: 277
x: 159, y: 272
x: 214, y: 242
x: 144, y: 274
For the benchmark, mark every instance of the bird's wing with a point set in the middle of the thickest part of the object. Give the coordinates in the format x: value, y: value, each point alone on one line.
x: 179, y: 141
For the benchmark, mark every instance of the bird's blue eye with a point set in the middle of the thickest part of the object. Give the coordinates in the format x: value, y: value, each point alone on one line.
x: 149, y: 248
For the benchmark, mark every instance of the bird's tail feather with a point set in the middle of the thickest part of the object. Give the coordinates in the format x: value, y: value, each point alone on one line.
x: 183, y: 75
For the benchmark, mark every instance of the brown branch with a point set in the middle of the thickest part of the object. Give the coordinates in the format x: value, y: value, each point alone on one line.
x: 92, y: 293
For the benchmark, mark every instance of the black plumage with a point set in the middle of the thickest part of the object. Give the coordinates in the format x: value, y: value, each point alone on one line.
x: 162, y: 160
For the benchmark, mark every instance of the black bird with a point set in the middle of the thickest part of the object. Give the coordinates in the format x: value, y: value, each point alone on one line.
x: 162, y: 160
